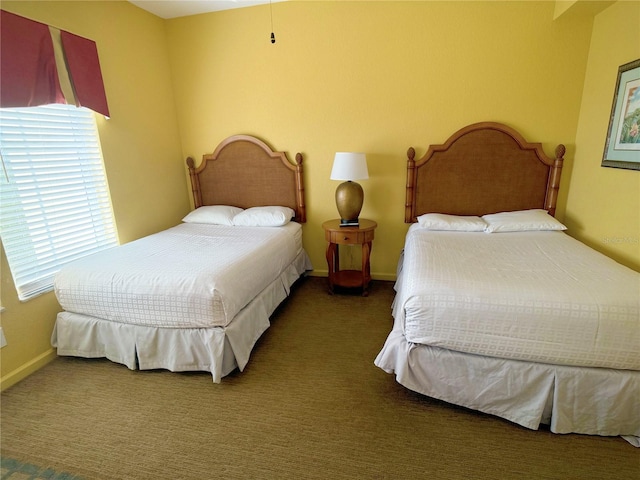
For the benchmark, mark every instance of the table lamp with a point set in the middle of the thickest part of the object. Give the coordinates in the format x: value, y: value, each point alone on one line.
x: 349, y: 195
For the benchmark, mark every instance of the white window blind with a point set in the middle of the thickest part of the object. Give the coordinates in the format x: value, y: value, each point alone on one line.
x: 55, y: 205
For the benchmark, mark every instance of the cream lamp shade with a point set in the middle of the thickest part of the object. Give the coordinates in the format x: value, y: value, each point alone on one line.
x: 349, y: 166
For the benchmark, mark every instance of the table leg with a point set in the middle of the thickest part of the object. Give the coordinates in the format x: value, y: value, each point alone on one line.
x: 332, y: 263
x: 366, y: 268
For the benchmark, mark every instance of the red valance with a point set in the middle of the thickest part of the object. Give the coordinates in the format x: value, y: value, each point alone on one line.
x: 84, y: 70
x: 28, y: 75
x: 28, y: 71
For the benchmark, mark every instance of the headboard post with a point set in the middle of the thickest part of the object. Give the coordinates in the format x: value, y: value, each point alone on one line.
x: 554, y: 180
x: 410, y: 197
x: 302, y: 210
x: 195, y: 183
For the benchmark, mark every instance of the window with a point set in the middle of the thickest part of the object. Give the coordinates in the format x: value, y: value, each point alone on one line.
x: 54, y: 199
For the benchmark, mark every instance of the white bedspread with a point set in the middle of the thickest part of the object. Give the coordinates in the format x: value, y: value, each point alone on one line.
x: 189, y: 276
x: 536, y: 296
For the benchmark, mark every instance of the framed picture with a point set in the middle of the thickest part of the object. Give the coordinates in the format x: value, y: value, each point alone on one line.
x: 622, y: 149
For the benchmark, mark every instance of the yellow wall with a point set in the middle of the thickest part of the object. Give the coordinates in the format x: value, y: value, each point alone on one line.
x: 140, y: 145
x: 603, y: 204
x: 377, y: 77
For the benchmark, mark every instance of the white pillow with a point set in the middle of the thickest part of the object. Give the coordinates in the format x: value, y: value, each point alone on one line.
x: 213, y: 214
x: 521, y: 221
x: 272, y: 216
x: 441, y: 221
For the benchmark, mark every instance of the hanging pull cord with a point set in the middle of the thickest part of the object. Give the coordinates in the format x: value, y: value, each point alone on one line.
x: 273, y: 36
x: 4, y: 168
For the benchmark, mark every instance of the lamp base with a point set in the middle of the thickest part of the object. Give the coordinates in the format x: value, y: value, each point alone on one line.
x: 349, y: 198
x: 349, y: 223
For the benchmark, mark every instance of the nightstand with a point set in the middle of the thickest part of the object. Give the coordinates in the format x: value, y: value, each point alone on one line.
x: 361, y: 235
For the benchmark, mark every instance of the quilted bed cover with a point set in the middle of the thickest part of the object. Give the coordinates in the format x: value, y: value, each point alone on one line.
x: 537, y: 296
x: 189, y: 276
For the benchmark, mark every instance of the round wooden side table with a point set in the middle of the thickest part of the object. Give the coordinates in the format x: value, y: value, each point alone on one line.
x: 336, y: 235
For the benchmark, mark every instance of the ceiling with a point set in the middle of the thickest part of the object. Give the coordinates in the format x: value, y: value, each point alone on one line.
x: 183, y: 8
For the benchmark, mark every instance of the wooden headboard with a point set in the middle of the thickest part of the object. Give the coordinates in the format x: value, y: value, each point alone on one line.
x: 244, y: 171
x: 483, y: 168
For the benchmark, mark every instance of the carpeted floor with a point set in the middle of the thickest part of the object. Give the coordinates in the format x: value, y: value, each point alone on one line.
x: 310, y: 405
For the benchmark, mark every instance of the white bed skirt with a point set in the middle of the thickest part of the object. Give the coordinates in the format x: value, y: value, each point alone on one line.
x: 218, y: 350
x: 594, y: 401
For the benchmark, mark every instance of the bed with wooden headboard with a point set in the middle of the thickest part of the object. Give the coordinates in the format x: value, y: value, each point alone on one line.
x: 498, y: 309
x: 196, y: 296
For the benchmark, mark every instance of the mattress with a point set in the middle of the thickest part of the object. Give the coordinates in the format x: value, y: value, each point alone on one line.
x: 218, y: 350
x: 189, y: 276
x: 537, y: 296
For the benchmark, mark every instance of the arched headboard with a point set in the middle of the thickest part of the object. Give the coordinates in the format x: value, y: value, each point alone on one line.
x: 244, y: 171
x: 483, y: 168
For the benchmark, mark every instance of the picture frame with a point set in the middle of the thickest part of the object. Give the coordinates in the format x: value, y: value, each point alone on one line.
x: 622, y: 148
